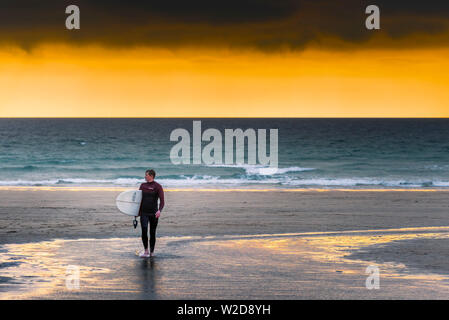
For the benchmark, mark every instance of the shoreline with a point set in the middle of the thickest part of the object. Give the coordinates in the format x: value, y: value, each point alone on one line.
x: 94, y: 188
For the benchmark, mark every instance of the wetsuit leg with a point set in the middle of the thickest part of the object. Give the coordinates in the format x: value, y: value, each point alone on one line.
x: 153, y: 225
x: 144, y: 225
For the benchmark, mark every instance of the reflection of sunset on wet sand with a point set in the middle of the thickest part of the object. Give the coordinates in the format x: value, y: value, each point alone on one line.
x: 249, y: 245
x: 33, y: 270
x: 273, y: 266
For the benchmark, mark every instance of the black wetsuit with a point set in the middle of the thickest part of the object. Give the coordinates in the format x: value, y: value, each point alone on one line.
x: 151, y: 192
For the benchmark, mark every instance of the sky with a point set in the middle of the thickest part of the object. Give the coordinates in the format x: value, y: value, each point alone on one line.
x: 198, y: 58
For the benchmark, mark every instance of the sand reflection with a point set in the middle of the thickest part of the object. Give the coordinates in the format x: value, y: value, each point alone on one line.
x: 264, y: 266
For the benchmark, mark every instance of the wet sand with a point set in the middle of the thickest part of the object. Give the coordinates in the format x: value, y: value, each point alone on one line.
x: 246, y: 245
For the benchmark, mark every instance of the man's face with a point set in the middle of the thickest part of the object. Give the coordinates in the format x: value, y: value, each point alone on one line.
x: 148, y: 178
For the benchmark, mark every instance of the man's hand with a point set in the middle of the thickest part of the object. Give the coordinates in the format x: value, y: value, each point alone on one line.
x: 158, y: 214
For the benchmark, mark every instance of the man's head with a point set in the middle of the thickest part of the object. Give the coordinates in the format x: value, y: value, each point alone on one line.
x: 150, y: 175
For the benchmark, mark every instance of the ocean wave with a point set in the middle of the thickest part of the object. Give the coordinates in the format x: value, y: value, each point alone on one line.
x: 72, y: 168
x: 357, y: 182
x: 260, y: 169
x: 207, y: 180
x: 19, y: 168
x: 435, y: 167
x: 70, y: 181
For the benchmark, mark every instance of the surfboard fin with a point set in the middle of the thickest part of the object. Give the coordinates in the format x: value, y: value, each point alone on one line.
x: 135, y: 222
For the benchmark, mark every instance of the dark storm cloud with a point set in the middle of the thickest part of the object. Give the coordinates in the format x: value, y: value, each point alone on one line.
x: 261, y: 24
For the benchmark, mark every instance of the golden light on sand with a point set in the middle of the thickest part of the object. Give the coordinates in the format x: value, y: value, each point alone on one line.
x: 40, y: 268
x: 64, y: 81
x: 333, y: 248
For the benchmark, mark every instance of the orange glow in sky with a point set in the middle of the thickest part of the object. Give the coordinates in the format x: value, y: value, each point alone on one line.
x: 68, y: 81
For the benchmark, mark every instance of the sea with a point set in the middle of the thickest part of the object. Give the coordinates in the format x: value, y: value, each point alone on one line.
x: 351, y: 153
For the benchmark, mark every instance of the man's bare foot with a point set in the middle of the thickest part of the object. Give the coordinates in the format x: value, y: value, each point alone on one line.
x: 144, y: 254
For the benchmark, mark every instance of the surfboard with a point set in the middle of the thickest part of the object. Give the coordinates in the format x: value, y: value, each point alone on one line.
x: 128, y: 202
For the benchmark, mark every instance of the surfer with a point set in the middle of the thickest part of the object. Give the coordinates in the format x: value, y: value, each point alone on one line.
x: 149, y: 211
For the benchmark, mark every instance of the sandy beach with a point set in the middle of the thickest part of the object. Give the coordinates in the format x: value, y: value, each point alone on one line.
x: 33, y: 215
x: 299, y: 245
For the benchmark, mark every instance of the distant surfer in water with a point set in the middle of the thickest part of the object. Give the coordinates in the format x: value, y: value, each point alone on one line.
x: 149, y: 211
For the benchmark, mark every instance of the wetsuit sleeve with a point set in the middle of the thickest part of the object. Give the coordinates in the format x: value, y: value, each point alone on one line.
x: 161, y: 198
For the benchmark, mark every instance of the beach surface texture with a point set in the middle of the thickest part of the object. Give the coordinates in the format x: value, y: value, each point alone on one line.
x: 264, y: 244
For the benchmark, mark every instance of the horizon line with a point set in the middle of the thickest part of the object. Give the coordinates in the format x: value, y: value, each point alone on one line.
x: 225, y: 117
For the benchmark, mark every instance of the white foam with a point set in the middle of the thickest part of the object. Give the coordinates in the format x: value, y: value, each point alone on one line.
x: 202, y: 180
x: 260, y: 169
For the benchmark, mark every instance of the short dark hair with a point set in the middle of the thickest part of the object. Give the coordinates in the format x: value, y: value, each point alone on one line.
x: 151, y: 172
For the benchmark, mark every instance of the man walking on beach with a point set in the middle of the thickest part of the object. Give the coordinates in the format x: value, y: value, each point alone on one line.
x: 149, y: 212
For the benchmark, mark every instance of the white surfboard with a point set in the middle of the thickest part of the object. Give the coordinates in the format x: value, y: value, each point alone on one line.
x: 128, y: 202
